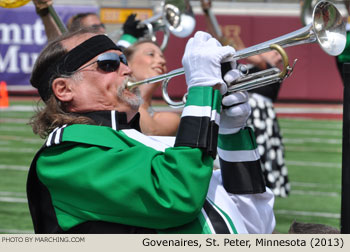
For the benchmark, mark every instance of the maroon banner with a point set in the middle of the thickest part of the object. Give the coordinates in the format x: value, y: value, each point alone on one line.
x: 315, y: 77
x: 22, y: 37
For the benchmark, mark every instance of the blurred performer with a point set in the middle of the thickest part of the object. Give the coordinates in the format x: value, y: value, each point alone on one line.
x: 42, y: 9
x: 97, y: 173
x: 263, y: 117
x: 86, y: 19
x: 146, y: 60
x: 132, y: 31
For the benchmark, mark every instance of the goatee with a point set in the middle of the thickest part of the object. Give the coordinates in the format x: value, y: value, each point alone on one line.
x: 135, y: 101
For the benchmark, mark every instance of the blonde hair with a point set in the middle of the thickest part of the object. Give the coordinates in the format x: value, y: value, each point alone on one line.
x: 129, y: 52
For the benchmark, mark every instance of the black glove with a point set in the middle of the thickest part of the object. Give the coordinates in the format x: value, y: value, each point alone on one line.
x: 131, y: 27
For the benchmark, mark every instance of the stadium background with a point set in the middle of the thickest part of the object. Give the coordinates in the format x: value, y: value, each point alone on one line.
x: 255, y: 21
x: 311, y: 126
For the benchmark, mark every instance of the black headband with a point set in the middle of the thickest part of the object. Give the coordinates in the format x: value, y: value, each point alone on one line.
x: 71, y: 61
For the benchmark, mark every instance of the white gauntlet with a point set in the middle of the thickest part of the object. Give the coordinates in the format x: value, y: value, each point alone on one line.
x: 202, y: 61
x: 234, y: 117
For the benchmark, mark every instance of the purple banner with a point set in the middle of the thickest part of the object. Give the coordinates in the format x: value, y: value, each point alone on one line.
x: 22, y: 37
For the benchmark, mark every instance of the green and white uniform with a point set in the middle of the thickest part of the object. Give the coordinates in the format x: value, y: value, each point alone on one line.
x: 113, y: 179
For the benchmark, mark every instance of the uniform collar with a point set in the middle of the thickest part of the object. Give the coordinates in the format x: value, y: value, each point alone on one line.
x: 114, y: 119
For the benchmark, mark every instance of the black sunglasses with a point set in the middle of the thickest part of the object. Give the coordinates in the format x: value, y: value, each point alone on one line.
x: 107, y: 62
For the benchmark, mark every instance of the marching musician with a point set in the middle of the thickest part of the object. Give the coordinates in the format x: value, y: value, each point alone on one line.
x: 97, y: 173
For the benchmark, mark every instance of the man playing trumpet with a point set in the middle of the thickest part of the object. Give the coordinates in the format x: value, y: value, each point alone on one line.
x: 97, y: 173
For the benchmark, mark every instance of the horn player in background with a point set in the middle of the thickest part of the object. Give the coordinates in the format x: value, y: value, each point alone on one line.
x: 263, y: 118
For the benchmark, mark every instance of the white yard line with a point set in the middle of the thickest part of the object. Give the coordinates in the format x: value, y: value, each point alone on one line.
x: 15, y: 194
x: 311, y: 140
x: 18, y: 150
x: 13, y: 200
x: 14, y: 167
x: 313, y: 164
x: 303, y: 110
x: 34, y: 140
x: 307, y: 213
x: 327, y: 149
x: 20, y: 108
x: 14, y: 120
x: 309, y: 124
x: 16, y: 231
x: 315, y: 185
x: 315, y: 193
x: 312, y: 132
x: 24, y: 128
x: 13, y: 197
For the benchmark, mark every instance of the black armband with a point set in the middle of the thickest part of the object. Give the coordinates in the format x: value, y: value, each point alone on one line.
x: 199, y: 123
x: 240, y: 163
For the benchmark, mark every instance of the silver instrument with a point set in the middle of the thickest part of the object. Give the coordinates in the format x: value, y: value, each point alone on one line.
x: 327, y: 29
x: 306, y: 9
x: 175, y: 18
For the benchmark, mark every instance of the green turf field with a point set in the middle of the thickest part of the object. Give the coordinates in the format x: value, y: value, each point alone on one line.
x: 313, y: 156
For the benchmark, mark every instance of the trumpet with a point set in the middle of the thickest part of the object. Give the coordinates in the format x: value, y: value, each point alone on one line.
x: 327, y: 29
x: 175, y: 18
x: 306, y: 8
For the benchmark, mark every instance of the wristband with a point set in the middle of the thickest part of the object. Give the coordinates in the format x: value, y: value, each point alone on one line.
x: 42, y: 12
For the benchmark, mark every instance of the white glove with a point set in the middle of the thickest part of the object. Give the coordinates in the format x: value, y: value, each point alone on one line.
x: 234, y: 117
x: 233, y: 74
x: 201, y: 61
